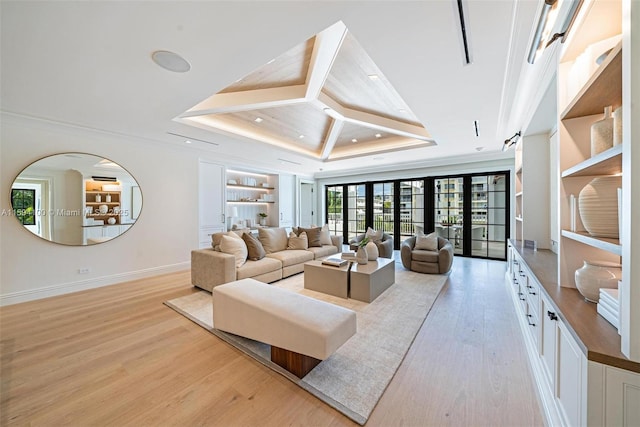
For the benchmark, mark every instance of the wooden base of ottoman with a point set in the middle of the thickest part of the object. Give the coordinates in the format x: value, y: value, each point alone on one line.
x: 296, y: 363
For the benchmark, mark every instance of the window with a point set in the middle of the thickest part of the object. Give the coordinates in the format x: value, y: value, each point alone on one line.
x: 334, y: 210
x: 23, y: 202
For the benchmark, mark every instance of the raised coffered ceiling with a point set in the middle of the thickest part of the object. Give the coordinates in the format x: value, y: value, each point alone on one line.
x: 324, y: 98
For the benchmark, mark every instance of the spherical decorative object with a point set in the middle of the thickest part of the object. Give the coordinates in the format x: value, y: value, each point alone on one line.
x: 111, y: 220
x: 598, y: 203
x: 594, y: 275
x: 103, y: 209
x: 372, y: 251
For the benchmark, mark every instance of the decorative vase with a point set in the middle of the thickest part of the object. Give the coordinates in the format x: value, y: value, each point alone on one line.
x: 617, y: 126
x: 372, y: 251
x: 263, y: 221
x: 361, y: 256
x: 108, y: 198
x: 111, y: 220
x: 602, y: 133
x: 594, y: 275
x: 103, y: 209
x: 598, y: 204
x: 98, y: 198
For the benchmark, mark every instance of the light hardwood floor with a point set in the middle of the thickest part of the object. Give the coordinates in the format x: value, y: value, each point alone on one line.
x: 117, y: 356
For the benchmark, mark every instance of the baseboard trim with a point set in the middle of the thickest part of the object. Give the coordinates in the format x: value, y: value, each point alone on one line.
x: 81, y: 285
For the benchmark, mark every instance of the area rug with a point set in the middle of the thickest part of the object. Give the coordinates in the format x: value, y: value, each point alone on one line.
x: 354, y: 378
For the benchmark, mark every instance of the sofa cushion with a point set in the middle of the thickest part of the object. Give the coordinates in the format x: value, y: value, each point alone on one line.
x: 313, y: 235
x: 323, y: 251
x: 428, y: 242
x: 256, y: 268
x: 254, y: 247
x: 298, y: 242
x: 424, y: 256
x: 236, y: 247
x: 291, y: 257
x: 273, y: 239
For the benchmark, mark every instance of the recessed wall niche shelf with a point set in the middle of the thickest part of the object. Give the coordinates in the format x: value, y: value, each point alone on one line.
x: 608, y: 162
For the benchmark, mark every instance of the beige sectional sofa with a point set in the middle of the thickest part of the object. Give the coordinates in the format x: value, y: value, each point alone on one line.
x: 212, y: 267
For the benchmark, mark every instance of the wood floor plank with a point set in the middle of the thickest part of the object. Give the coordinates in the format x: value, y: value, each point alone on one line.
x: 117, y: 356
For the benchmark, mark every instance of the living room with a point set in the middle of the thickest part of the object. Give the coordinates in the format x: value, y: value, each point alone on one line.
x: 78, y: 78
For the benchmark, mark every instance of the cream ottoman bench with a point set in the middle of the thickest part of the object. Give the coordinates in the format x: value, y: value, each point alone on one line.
x: 302, y: 331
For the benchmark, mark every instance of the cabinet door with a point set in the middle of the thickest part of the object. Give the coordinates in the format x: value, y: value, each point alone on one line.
x: 211, y: 195
x: 286, y: 191
x: 623, y: 395
x: 569, y: 392
x: 547, y: 343
x: 111, y: 231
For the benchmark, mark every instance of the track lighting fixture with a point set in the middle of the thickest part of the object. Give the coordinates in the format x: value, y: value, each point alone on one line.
x: 544, y: 34
x: 511, y: 141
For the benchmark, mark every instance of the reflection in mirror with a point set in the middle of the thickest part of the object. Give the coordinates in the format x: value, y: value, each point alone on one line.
x: 76, y: 199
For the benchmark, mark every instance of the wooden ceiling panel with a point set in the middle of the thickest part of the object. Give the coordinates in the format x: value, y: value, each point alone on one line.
x: 349, y: 84
x: 288, y: 69
x: 363, y: 135
x: 287, y: 123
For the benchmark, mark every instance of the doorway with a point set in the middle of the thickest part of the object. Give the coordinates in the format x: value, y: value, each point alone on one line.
x: 307, y: 205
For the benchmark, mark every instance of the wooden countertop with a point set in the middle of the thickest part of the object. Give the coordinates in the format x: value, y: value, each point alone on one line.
x: 597, y: 337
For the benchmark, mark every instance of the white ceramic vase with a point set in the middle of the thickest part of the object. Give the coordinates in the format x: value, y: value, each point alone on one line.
x: 361, y: 256
x: 107, y: 198
x: 602, y: 133
x: 594, y: 275
x: 98, y: 198
x: 617, y: 126
x: 103, y: 209
x: 372, y: 251
x: 598, y: 204
x: 111, y: 221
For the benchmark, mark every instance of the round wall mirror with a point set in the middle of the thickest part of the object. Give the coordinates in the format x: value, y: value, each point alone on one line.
x: 76, y: 199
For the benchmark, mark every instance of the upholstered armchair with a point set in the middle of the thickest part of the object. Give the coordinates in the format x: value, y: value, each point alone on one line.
x: 424, y: 261
x: 385, y: 245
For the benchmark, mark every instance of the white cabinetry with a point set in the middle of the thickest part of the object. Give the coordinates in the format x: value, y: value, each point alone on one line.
x: 211, y: 192
x: 573, y: 389
x: 286, y: 191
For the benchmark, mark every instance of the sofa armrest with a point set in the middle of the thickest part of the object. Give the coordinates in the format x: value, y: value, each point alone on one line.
x: 211, y: 268
x: 337, y: 242
x: 385, y: 248
x: 445, y: 257
x: 405, y: 251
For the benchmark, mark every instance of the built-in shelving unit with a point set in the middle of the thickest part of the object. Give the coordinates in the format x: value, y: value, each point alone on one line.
x: 249, y: 194
x: 102, y: 205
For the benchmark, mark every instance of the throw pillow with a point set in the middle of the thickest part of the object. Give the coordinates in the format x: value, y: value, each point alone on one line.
x: 419, y: 229
x: 273, y: 239
x: 298, y: 242
x: 325, y: 236
x: 235, y: 247
x: 216, y: 238
x: 313, y: 235
x: 428, y: 242
x: 254, y: 247
x: 374, y: 235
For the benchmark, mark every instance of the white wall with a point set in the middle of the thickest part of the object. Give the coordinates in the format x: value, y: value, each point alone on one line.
x: 159, y: 242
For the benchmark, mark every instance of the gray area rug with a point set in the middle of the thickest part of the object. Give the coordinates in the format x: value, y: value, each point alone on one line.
x: 354, y: 378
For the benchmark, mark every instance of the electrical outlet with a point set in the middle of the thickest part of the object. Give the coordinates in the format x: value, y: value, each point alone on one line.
x: 84, y: 270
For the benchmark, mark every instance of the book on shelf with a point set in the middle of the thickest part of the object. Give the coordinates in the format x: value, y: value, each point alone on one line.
x: 335, y: 262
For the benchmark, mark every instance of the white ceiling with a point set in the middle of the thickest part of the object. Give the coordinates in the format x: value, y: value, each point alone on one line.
x: 89, y: 63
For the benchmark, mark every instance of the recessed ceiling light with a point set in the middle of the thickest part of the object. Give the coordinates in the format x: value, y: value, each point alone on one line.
x: 402, y: 110
x: 170, y: 61
x: 272, y: 61
x: 373, y: 77
x: 378, y: 135
x: 354, y: 140
x: 301, y: 136
x: 187, y: 141
x: 258, y: 119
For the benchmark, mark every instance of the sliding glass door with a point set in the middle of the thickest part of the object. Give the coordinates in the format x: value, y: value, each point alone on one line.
x: 469, y: 210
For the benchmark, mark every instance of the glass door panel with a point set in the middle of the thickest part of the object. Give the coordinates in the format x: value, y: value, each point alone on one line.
x: 334, y: 209
x: 448, y: 210
x: 383, y: 208
x: 411, y: 207
x: 356, y: 210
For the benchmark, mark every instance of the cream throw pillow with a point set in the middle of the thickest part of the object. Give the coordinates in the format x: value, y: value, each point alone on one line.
x: 298, y: 242
x: 217, y: 238
x: 428, y: 242
x: 325, y: 236
x: 236, y: 247
x: 419, y: 229
x: 374, y: 235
